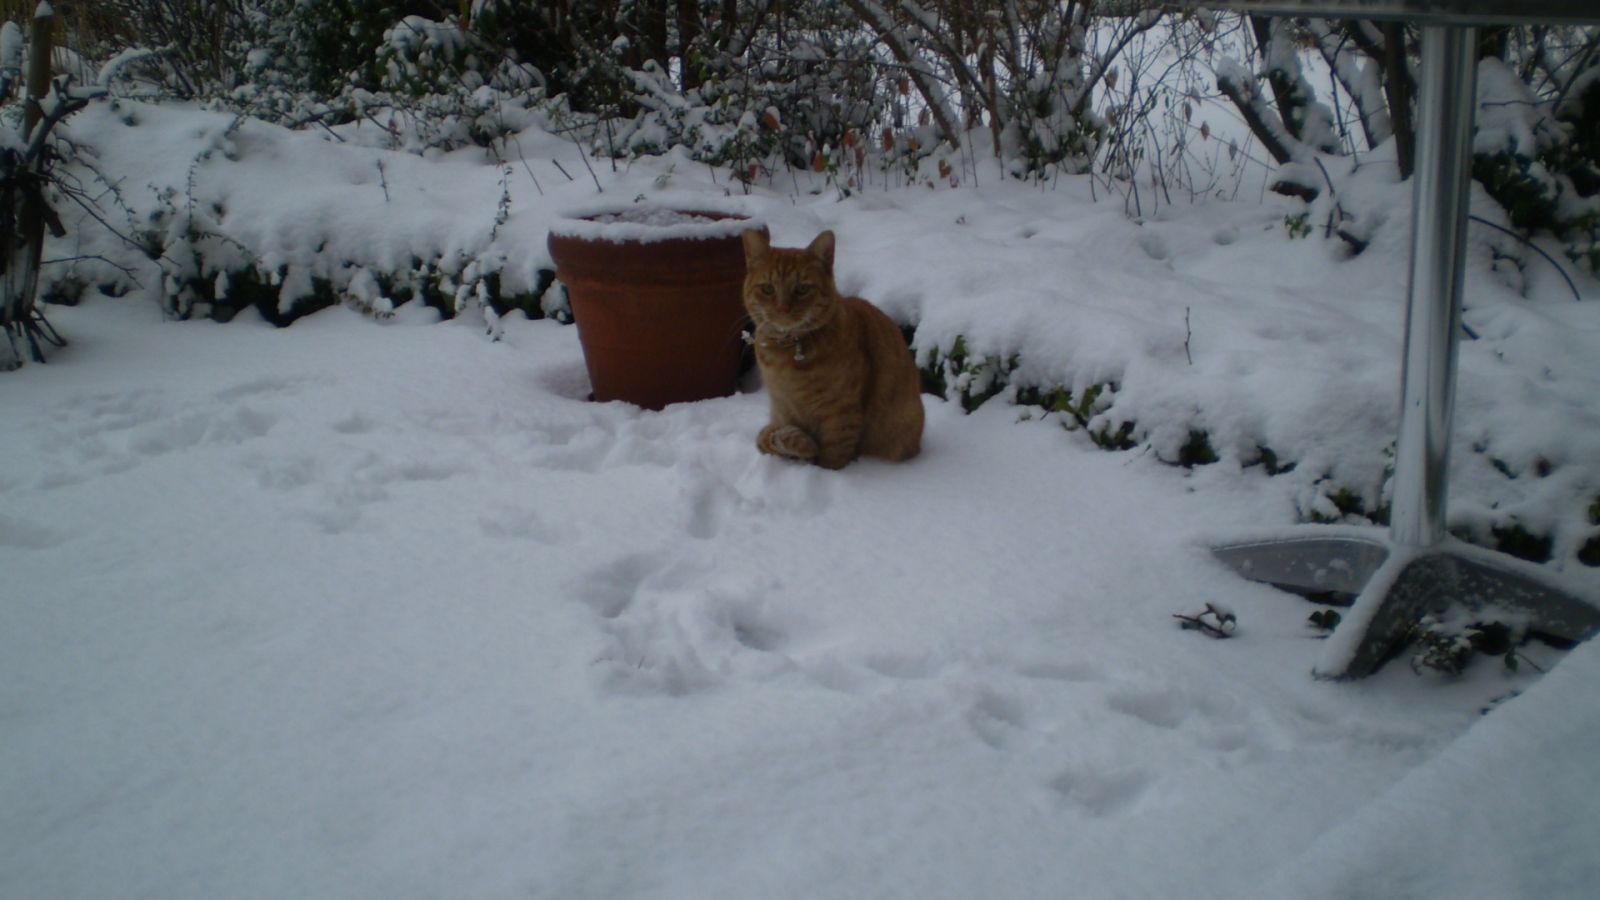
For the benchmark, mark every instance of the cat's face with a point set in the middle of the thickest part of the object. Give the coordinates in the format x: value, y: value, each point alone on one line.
x: 789, y: 291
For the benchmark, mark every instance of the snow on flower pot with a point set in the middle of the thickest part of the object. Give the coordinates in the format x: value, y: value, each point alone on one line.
x: 656, y: 294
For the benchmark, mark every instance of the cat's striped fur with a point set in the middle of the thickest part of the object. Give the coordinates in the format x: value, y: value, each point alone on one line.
x: 842, y: 381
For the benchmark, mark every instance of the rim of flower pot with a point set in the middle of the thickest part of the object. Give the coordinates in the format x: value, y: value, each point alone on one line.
x: 686, y: 217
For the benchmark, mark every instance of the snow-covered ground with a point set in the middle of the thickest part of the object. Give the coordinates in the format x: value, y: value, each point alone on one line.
x: 389, y: 609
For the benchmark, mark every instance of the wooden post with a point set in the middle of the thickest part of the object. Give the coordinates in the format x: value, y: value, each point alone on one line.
x: 26, y: 248
x: 31, y: 220
x: 39, y: 53
x: 1398, y: 90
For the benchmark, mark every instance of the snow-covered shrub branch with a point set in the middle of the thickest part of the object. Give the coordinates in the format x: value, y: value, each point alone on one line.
x: 897, y: 87
x: 1541, y: 159
x: 1538, y: 94
x: 1094, y: 404
x: 1023, y: 68
x: 793, y: 90
x: 1353, y: 56
x: 30, y: 186
x: 189, y: 46
x: 1304, y: 119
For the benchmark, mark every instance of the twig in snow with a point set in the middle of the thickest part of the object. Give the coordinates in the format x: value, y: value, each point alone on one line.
x: 523, y: 158
x: 1216, y: 621
x: 1338, y: 209
x: 1186, y: 335
x: 1530, y: 245
x: 72, y: 259
x: 585, y: 157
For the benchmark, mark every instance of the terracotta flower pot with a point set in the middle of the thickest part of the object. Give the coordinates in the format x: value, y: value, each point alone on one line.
x: 656, y: 294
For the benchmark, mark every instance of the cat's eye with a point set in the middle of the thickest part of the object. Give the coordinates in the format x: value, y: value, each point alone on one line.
x: 765, y: 288
x: 800, y: 290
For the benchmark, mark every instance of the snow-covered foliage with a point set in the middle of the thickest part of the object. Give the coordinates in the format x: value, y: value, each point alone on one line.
x: 30, y: 185
x: 775, y: 105
x: 1027, y: 69
x: 1170, y: 361
x: 1534, y: 147
x: 378, y: 604
x: 392, y: 611
x: 189, y: 234
x: 1537, y: 158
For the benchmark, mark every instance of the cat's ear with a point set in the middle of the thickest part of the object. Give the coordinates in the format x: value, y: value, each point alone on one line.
x: 756, y: 244
x: 822, y: 248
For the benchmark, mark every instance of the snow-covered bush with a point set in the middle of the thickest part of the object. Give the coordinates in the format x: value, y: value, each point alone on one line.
x: 1447, y: 643
x: 319, y: 47
x: 1026, y: 68
x: 1541, y: 160
x: 957, y: 373
x: 31, y: 184
x: 430, y: 84
x: 795, y: 87
x: 222, y: 285
x: 193, y: 46
x: 1294, y: 124
x: 1537, y: 144
x: 441, y: 86
x: 973, y: 378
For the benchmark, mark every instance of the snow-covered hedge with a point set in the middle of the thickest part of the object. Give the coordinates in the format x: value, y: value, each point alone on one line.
x: 209, y: 214
x: 1541, y: 161
x: 1029, y: 296
x: 425, y: 169
x: 972, y: 380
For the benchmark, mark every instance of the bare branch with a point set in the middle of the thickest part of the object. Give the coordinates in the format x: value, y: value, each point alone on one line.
x: 879, y: 20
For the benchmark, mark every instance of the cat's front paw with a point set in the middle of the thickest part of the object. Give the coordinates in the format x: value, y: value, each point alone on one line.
x: 787, y: 441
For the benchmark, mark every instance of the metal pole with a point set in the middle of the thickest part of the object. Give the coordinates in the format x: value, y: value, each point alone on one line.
x: 1446, y: 100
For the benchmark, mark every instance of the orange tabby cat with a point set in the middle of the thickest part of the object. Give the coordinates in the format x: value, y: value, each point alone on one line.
x: 842, y: 381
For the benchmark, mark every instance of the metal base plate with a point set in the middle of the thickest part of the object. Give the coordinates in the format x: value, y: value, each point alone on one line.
x: 1395, y: 586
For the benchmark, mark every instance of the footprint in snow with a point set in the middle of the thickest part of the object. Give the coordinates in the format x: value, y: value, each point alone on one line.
x: 1215, y: 723
x: 610, y: 589
x: 571, y: 448
x: 996, y: 720
x: 1057, y: 671
x: 673, y: 627
x: 60, y: 478
x: 90, y: 414
x: 21, y: 534
x: 1158, y: 708
x: 509, y: 523
x: 229, y: 426
x: 1101, y: 793
x: 354, y: 424
x: 709, y: 502
x: 258, y: 387
x: 607, y: 441
x: 339, y: 517
x: 905, y: 667
x: 1154, y: 245
x: 362, y: 484
x: 285, y: 474
x: 98, y: 428
x: 569, y: 380
x: 735, y: 481
x: 645, y: 441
